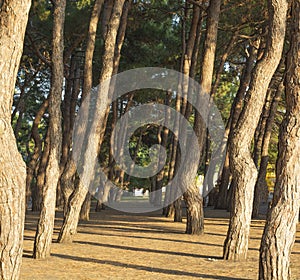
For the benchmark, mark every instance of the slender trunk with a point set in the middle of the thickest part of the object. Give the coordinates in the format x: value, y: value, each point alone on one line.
x: 224, y: 57
x: 164, y: 140
x: 280, y: 229
x: 90, y: 47
x: 67, y: 180
x: 244, y: 171
x: 37, y: 153
x: 177, y: 208
x: 85, y: 209
x: 70, y: 223
x: 173, y: 165
x: 40, y: 179
x: 43, y: 237
x: 193, y: 199
x: 13, y: 20
x: 260, y: 130
x: 261, y: 184
x: 233, y: 119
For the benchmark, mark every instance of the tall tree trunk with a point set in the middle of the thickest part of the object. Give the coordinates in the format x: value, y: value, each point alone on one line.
x: 280, y: 229
x: 43, y: 237
x: 244, y: 171
x: 70, y: 223
x: 69, y: 111
x: 261, y: 183
x: 193, y: 199
x: 13, y: 21
x: 171, y: 209
x: 68, y: 175
x: 90, y: 47
x: 235, y: 111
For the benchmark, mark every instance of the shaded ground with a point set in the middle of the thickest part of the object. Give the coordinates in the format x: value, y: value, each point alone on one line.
x: 114, y: 245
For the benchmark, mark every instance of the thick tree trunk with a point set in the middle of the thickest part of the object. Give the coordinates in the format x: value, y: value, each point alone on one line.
x: 194, y: 209
x: 244, y: 171
x: 280, y: 229
x: 70, y: 223
x: 13, y: 20
x: 43, y: 237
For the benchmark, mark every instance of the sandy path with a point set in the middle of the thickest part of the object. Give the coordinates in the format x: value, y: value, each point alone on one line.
x: 115, y: 245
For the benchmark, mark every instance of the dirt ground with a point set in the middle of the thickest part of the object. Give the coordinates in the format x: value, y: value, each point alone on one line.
x: 115, y: 245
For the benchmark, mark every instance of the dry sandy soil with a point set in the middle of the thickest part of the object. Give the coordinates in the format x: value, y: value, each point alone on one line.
x: 115, y: 245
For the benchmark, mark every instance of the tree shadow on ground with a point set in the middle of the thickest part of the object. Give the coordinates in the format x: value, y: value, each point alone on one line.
x: 160, y: 230
x: 152, y: 238
x: 159, y: 239
x: 146, y: 268
x: 136, y: 249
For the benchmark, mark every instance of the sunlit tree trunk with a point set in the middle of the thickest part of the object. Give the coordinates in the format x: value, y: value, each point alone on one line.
x: 67, y: 180
x: 43, y: 237
x: 70, y: 223
x: 244, y: 171
x: 235, y: 111
x: 280, y: 229
x: 13, y: 21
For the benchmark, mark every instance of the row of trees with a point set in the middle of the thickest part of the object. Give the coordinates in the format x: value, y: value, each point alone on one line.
x: 244, y: 55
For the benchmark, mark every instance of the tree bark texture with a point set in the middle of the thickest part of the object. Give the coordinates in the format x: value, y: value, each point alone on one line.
x: 243, y: 169
x: 94, y: 140
x: 43, y: 238
x: 261, y: 184
x: 280, y: 229
x: 13, y: 21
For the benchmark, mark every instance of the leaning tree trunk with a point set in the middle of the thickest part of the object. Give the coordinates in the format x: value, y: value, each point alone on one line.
x: 13, y: 20
x: 43, y: 237
x: 67, y: 179
x: 70, y: 223
x: 235, y: 111
x: 261, y: 184
x: 280, y: 229
x: 244, y: 171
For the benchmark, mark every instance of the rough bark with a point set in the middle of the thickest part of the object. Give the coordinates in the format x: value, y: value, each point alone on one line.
x: 45, y: 225
x: 67, y: 179
x: 193, y: 199
x: 280, y: 229
x: 261, y: 183
x: 70, y: 223
x: 13, y: 21
x: 235, y: 111
x: 243, y: 169
x: 72, y: 91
